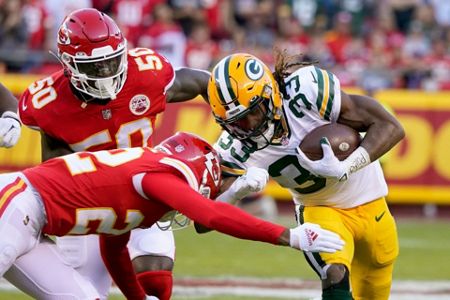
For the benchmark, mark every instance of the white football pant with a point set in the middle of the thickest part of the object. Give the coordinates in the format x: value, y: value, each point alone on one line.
x: 83, y: 254
x: 22, y: 217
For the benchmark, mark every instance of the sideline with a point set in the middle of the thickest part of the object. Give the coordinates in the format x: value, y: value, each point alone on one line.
x: 284, y: 288
x: 289, y: 288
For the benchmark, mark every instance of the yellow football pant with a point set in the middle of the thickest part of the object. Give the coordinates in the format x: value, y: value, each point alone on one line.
x: 371, y: 245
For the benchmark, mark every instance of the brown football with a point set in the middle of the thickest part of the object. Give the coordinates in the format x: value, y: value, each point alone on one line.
x: 343, y: 139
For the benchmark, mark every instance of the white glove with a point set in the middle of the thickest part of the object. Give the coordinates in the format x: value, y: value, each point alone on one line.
x: 311, y: 237
x: 151, y: 298
x: 254, y: 180
x: 9, y: 129
x: 330, y: 166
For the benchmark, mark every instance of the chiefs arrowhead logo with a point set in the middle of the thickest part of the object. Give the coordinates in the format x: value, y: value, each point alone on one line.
x: 63, y: 35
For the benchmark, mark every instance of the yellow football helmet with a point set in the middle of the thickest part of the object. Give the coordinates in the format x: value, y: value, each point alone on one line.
x: 241, y: 85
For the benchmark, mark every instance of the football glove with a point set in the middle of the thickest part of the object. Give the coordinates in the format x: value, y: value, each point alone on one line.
x: 151, y: 298
x: 311, y: 237
x: 254, y: 180
x: 9, y: 129
x: 330, y: 166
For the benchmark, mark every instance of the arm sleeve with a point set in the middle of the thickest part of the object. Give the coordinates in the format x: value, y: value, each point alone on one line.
x: 176, y: 193
x: 325, y: 92
x: 25, y: 110
x: 167, y: 73
x: 159, y: 81
x: 117, y: 260
x: 318, y: 92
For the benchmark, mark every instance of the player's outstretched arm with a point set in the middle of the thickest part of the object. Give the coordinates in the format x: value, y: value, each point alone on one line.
x: 10, y: 126
x: 7, y: 100
x: 365, y: 114
x: 233, y: 221
x: 188, y: 84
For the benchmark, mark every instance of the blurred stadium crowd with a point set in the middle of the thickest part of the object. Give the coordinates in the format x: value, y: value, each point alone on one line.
x: 372, y: 44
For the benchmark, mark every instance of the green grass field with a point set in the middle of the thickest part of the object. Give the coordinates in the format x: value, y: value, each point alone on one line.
x: 424, y: 248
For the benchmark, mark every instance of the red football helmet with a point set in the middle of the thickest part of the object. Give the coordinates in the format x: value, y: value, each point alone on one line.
x: 202, y: 157
x: 93, y: 51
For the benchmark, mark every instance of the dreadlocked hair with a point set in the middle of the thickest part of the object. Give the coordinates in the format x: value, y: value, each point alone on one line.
x: 284, y: 66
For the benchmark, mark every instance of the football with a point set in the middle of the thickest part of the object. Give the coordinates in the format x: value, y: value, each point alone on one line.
x: 343, y: 140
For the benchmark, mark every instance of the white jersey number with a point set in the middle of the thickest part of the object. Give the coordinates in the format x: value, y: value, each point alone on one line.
x: 122, y: 137
x: 146, y: 59
x: 43, y: 92
x: 77, y: 163
x: 107, y: 219
x: 288, y: 172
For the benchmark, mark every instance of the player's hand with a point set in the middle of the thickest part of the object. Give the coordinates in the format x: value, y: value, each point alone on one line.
x: 311, y: 237
x: 330, y: 166
x: 9, y: 129
x: 151, y: 298
x: 254, y: 180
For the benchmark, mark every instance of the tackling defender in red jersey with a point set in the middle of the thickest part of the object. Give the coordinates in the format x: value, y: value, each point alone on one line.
x: 111, y: 192
x: 106, y: 97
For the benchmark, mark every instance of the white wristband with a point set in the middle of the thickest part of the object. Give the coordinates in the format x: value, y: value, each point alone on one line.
x: 227, y: 197
x: 357, y: 160
x: 294, y: 240
x: 12, y: 115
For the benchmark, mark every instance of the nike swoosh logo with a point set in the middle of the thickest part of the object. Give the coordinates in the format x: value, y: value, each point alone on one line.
x: 378, y: 218
x: 24, y: 105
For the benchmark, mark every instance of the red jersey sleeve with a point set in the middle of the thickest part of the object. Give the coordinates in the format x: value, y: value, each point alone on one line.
x: 176, y: 193
x: 26, y: 110
x: 166, y: 74
x: 152, y: 73
x: 117, y: 260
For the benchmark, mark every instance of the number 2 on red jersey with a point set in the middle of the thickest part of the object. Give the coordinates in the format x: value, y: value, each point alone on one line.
x: 81, y: 163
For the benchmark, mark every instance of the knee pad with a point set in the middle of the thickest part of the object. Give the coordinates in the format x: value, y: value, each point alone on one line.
x: 77, y: 249
x: 151, y: 241
x: 337, y: 283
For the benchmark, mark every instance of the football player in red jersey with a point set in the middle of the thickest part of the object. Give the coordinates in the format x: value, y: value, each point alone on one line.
x: 111, y: 192
x: 107, y: 97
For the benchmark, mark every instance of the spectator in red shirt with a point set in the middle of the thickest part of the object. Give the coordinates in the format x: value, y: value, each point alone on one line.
x: 39, y: 25
x: 165, y: 36
x: 340, y: 37
x: 201, y: 50
x: 132, y: 16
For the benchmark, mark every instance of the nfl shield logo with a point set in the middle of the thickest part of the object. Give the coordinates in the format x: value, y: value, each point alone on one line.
x: 106, y: 113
